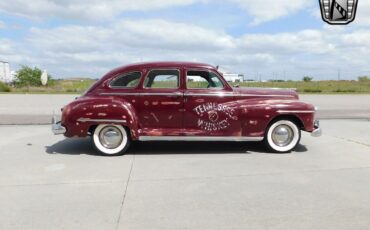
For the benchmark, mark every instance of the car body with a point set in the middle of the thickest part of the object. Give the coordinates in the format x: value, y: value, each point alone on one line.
x: 181, y: 101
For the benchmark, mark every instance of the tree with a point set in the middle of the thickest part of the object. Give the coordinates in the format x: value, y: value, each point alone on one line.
x: 26, y: 76
x: 363, y: 78
x: 307, y: 79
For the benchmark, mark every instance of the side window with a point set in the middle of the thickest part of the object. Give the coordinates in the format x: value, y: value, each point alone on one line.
x: 126, y: 80
x: 203, y: 80
x: 162, y: 79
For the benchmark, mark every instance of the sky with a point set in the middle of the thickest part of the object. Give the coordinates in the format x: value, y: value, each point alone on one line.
x: 270, y: 39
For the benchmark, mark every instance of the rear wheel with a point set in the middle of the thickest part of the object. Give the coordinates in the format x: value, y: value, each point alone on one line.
x: 111, y: 140
x: 282, y: 136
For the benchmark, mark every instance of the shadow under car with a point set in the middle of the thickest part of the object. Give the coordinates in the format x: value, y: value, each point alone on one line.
x: 77, y: 146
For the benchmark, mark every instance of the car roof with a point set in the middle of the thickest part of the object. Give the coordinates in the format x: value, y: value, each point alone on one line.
x: 150, y: 65
x: 144, y: 65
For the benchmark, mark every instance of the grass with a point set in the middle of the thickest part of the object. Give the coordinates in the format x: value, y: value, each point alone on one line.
x: 78, y: 86
x: 58, y: 87
x: 4, y: 87
x: 317, y: 87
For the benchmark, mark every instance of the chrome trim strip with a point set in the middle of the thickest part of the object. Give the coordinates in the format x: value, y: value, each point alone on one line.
x: 162, y: 94
x: 101, y: 120
x: 258, y: 95
x: 197, y: 138
x: 208, y: 95
x: 296, y: 111
x: 119, y: 94
x: 178, y: 94
x: 234, y: 95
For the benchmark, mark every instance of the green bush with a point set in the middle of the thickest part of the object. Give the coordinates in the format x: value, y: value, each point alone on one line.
x: 27, y: 76
x: 345, y: 91
x: 363, y: 78
x: 4, y: 87
x: 307, y: 79
x: 312, y: 90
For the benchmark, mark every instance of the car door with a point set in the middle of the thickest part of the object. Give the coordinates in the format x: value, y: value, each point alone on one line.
x: 208, y: 106
x: 161, y: 103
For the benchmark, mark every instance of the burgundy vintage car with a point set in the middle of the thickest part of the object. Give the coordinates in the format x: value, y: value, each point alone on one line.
x: 179, y: 101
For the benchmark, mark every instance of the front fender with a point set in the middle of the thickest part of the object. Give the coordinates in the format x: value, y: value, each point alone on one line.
x: 257, y: 114
x: 86, y: 112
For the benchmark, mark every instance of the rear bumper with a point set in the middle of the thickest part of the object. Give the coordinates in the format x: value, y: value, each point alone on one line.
x: 57, y: 127
x: 317, y: 132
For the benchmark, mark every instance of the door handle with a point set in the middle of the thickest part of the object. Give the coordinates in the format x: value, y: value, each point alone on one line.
x: 176, y: 95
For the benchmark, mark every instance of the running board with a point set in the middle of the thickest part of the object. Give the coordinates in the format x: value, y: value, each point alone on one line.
x: 198, y: 138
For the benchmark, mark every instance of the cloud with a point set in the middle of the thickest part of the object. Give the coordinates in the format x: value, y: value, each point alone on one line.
x: 363, y: 16
x: 305, y: 41
x: 68, y: 51
x: 97, y: 10
x: 144, y: 34
x: 84, y: 9
x: 2, y: 25
x: 6, y: 46
x: 123, y: 42
x: 267, y: 10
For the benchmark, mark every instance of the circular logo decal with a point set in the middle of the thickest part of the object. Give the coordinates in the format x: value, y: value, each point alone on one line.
x: 213, y: 116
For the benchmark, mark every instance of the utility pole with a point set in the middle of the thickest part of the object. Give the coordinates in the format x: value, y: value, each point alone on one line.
x: 285, y: 76
x: 338, y: 74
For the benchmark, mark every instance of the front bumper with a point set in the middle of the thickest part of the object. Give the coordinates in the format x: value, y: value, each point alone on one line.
x: 57, y: 127
x: 317, y: 132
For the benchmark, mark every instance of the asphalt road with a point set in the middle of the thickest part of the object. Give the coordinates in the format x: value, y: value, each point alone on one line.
x: 48, y: 182
x: 38, y: 109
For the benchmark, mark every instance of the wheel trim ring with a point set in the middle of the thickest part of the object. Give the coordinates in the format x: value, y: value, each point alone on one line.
x: 282, y: 135
x: 110, y: 137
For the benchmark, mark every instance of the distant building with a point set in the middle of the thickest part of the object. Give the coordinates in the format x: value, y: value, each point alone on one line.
x: 229, y: 77
x: 233, y: 77
x: 6, y: 75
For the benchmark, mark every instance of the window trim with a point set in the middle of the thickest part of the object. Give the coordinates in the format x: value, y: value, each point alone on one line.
x: 122, y: 75
x: 165, y: 69
x: 204, y: 70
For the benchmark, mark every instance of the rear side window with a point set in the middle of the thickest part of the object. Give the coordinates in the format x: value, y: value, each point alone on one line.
x: 126, y: 80
x: 162, y: 79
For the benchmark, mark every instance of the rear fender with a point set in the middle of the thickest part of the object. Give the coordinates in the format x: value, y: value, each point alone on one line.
x: 87, y: 112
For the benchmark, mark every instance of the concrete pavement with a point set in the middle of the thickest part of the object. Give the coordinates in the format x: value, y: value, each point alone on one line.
x: 48, y: 182
x: 38, y: 109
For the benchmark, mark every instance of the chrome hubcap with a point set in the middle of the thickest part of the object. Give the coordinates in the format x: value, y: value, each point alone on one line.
x: 110, y: 137
x: 282, y: 135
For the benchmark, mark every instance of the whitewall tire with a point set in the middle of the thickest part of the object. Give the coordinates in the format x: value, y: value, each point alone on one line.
x: 111, y: 140
x: 282, y: 136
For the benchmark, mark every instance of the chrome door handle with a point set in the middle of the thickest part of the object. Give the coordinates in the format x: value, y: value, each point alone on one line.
x: 176, y: 95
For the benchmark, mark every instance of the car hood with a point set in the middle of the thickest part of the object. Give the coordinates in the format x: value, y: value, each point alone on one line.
x: 268, y: 92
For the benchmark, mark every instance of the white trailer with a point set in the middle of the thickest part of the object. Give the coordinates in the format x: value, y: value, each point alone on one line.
x: 5, y: 74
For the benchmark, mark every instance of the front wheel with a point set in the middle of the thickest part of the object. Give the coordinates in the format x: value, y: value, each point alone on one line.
x: 282, y: 136
x: 111, y: 140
